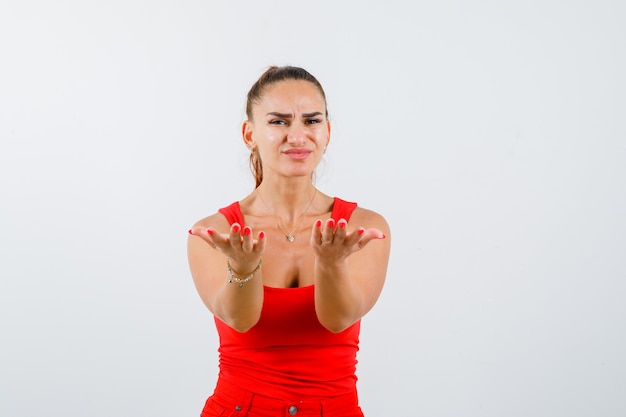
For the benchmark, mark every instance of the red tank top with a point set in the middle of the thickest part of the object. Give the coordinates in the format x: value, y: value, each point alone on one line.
x: 288, y: 353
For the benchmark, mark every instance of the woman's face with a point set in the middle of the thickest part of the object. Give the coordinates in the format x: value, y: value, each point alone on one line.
x: 289, y: 128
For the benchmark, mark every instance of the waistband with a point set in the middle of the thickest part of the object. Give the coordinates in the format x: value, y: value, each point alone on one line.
x: 237, y: 399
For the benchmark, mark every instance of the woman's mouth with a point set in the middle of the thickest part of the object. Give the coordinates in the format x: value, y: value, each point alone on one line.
x: 297, y: 153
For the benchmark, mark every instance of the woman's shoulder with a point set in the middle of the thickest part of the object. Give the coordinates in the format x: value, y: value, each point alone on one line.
x: 219, y: 219
x: 214, y: 220
x: 366, y: 216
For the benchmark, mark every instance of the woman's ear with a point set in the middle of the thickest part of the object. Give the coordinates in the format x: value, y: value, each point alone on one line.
x: 328, y: 139
x: 247, y: 135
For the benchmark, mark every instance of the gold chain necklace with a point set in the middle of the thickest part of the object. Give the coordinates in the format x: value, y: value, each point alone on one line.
x: 288, y: 236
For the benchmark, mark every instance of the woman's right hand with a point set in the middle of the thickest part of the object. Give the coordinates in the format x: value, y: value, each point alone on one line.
x: 239, y: 306
x: 239, y: 246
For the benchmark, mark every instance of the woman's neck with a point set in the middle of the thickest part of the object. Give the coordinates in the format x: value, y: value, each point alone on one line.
x: 287, y: 201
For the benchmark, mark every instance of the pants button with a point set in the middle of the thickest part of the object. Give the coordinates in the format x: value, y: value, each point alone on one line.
x: 238, y: 408
x: 293, y: 410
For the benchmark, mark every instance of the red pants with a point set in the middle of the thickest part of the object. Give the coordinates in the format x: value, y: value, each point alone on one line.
x: 229, y: 400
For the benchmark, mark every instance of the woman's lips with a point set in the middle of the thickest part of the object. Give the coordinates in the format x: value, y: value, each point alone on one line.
x: 297, y: 153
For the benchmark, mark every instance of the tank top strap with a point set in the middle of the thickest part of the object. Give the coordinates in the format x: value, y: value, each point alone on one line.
x: 233, y: 213
x: 342, y: 209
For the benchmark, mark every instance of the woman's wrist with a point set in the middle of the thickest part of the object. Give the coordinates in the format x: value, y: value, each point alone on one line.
x: 332, y: 266
x: 240, y: 279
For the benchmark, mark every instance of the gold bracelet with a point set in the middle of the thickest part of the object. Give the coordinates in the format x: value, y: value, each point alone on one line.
x: 238, y: 280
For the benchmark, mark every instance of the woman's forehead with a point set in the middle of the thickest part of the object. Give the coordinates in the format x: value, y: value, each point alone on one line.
x: 292, y: 93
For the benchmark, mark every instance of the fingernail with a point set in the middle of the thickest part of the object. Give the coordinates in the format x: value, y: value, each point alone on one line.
x: 190, y: 232
x: 246, y: 231
x: 382, y: 236
x: 236, y: 228
x: 318, y: 223
x: 342, y: 225
x: 330, y: 222
x: 209, y: 232
x: 361, y: 231
x: 261, y: 235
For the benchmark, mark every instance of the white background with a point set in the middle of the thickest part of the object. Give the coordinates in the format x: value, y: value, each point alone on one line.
x: 490, y: 134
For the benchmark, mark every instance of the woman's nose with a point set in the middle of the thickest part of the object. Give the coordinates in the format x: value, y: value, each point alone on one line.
x: 296, y: 135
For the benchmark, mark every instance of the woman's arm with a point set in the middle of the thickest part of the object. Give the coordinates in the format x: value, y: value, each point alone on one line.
x: 237, y: 305
x: 350, y: 267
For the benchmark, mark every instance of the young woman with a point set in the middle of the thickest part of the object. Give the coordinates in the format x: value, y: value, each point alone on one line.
x: 288, y: 271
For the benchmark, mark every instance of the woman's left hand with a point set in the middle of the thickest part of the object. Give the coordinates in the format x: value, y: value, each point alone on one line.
x: 333, y: 240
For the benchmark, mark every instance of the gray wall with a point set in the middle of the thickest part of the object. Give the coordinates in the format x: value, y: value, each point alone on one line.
x: 490, y: 134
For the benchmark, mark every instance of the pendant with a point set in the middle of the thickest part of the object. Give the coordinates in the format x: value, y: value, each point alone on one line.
x: 290, y: 237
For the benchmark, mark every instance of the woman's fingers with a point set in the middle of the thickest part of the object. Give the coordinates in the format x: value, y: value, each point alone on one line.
x: 238, y: 241
x: 247, y: 241
x: 235, y: 235
x: 331, y: 234
x: 367, y: 235
x: 341, y: 230
x: 328, y: 232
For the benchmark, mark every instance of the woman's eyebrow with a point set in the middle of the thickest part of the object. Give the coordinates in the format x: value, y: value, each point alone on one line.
x: 277, y: 114
x: 290, y: 115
